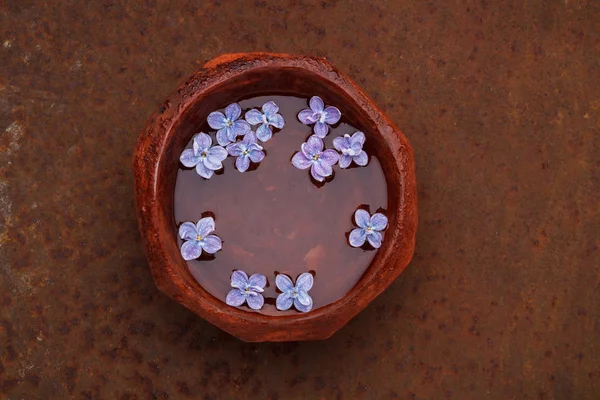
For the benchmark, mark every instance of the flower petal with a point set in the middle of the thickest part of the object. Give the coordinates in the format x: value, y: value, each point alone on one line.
x: 284, y: 283
x: 187, y: 231
x: 358, y: 237
x: 378, y: 222
x: 188, y: 158
x: 235, y: 298
x: 304, y: 282
x: 203, y: 171
x: 361, y: 159
x: 264, y: 133
x: 307, y: 116
x: 211, y: 244
x: 312, y: 147
x: 256, y: 156
x: 284, y: 301
x: 321, y: 129
x: 205, y: 226
x: 322, y: 168
x: 332, y: 115
x: 329, y: 156
x: 191, y: 250
x: 216, y: 120
x: 212, y: 163
x: 345, y: 161
x: 242, y: 163
x: 270, y: 108
x: 315, y: 175
x: 258, y: 281
x: 301, y: 307
x: 255, y: 301
x: 316, y: 104
x: 239, y: 279
x: 233, y: 111
x: 374, y: 239
x: 203, y: 141
x: 303, y: 297
x: 239, y: 128
x: 362, y: 218
x: 236, y: 149
x: 254, y: 117
x: 217, y: 153
x: 250, y: 139
x: 340, y: 143
x: 300, y: 161
x: 222, y: 137
x: 358, y: 138
x: 276, y: 120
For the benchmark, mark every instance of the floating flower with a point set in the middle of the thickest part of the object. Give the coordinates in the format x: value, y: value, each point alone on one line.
x: 205, y: 158
x: 313, y: 156
x: 296, y: 295
x: 246, y: 150
x: 246, y: 290
x: 228, y: 126
x: 351, y: 149
x: 268, y: 117
x: 198, y: 237
x: 319, y: 115
x: 369, y: 228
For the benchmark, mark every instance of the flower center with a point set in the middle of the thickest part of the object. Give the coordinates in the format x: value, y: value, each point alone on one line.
x: 316, y: 157
x: 245, y: 152
x: 369, y: 228
x: 203, y: 154
x: 198, y: 238
x: 322, y: 117
x: 229, y: 122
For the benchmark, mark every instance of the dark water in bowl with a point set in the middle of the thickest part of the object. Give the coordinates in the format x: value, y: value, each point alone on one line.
x: 275, y: 219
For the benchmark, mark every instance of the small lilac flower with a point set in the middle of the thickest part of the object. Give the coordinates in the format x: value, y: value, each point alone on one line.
x: 351, y: 149
x: 205, y: 158
x: 319, y: 115
x: 246, y: 150
x: 296, y: 295
x: 246, y: 290
x: 268, y: 116
x: 228, y: 126
x: 369, y: 228
x: 313, y: 156
x: 198, y: 237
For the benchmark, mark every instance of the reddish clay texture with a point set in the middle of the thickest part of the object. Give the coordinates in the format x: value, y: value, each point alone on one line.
x: 156, y: 161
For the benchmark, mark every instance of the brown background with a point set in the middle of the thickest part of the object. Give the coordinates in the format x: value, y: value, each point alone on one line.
x: 501, y: 102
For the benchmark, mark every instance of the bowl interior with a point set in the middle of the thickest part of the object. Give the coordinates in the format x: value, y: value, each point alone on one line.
x: 264, y: 81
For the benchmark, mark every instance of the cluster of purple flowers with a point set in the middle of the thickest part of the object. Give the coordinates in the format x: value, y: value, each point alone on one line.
x: 236, y: 138
x: 312, y: 154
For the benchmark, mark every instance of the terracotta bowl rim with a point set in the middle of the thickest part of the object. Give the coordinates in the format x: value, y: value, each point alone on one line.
x: 151, y: 151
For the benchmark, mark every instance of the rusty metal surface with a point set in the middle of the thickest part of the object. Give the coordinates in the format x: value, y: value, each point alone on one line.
x: 501, y: 102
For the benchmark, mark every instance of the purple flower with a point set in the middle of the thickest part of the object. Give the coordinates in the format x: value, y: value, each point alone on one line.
x: 351, y: 149
x: 228, y: 126
x: 319, y: 115
x: 198, y: 237
x: 205, y: 158
x: 268, y: 116
x: 369, y: 228
x: 313, y: 156
x: 246, y: 290
x: 296, y: 295
x: 246, y: 150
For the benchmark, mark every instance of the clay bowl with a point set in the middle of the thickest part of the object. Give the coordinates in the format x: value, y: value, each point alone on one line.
x: 156, y: 161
